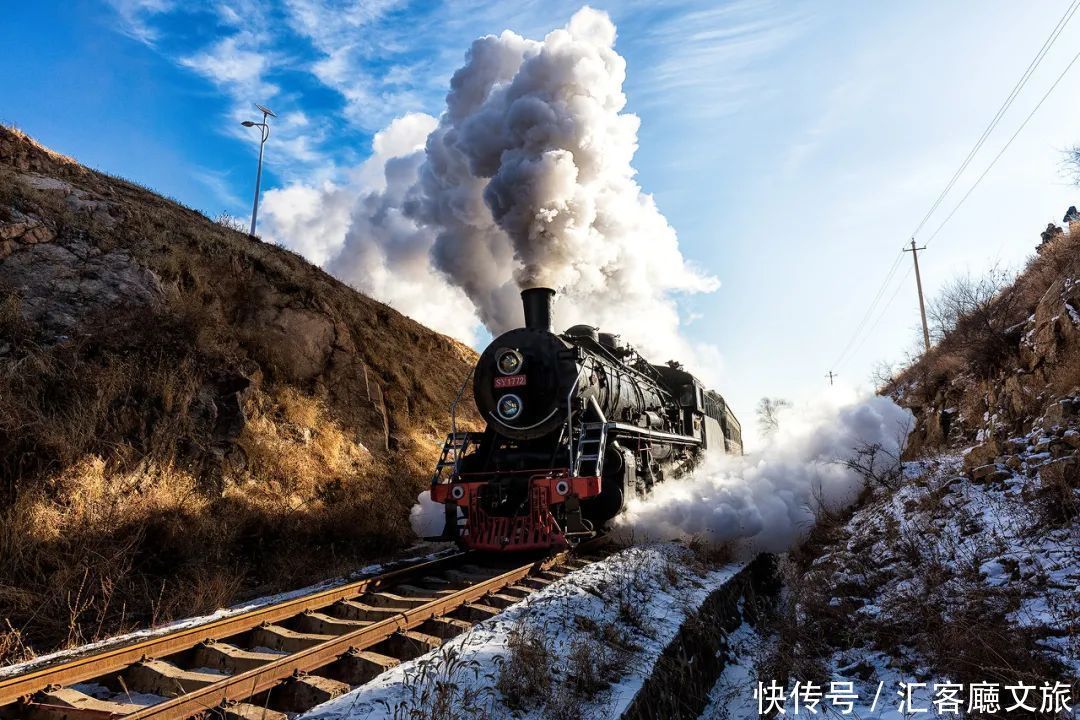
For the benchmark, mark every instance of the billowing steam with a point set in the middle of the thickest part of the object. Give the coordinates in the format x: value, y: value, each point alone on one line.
x: 526, y: 180
x: 767, y: 501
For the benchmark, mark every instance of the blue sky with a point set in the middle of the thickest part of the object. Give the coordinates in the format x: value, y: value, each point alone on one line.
x: 794, y: 146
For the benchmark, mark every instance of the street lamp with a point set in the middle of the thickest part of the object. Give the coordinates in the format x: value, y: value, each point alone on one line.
x: 264, y: 130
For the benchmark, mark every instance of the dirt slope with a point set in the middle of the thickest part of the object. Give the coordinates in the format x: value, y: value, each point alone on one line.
x: 187, y: 415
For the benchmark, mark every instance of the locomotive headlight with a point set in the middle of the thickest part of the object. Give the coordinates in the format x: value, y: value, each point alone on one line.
x: 509, y: 362
x: 457, y: 492
x: 509, y: 407
x: 562, y: 487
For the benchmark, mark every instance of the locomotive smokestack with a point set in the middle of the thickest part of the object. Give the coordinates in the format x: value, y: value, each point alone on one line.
x: 537, y: 302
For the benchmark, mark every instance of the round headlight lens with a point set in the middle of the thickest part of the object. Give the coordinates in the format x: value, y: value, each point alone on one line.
x: 509, y: 362
x: 509, y: 407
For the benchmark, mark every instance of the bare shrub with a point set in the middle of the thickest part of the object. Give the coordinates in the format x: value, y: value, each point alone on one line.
x: 878, y: 466
x: 525, y: 674
x: 227, y: 220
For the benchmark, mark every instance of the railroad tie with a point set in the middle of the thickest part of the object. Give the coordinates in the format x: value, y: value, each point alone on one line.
x: 445, y: 627
x: 408, y: 644
x: 418, y: 592
x: 536, y: 583
x: 322, y: 624
x: 516, y: 591
x: 247, y: 711
x: 163, y: 678
x: 229, y: 658
x: 304, y: 691
x: 476, y: 612
x: 388, y: 599
x: 60, y: 703
x: 500, y: 600
x: 467, y: 578
x: 277, y: 637
x: 357, y: 667
x: 354, y: 610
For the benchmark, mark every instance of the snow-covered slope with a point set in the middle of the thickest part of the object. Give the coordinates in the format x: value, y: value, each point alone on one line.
x: 590, y: 639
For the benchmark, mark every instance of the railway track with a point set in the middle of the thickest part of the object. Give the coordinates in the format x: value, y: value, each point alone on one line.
x: 287, y: 657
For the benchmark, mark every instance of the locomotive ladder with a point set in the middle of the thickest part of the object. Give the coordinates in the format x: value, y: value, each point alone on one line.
x: 452, y: 451
x: 590, y: 449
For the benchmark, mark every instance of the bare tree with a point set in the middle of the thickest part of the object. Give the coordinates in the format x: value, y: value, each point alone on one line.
x: 768, y: 412
x: 882, y: 375
x: 975, y: 316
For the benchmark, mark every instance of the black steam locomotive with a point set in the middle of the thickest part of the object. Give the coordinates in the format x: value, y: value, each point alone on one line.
x: 577, y: 423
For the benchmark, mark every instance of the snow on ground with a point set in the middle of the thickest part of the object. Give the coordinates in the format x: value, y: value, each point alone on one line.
x: 624, y: 610
x: 942, y: 570
x: 237, y: 609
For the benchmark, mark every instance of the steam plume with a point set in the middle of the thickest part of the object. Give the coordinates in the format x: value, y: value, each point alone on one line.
x: 526, y: 180
x: 766, y: 502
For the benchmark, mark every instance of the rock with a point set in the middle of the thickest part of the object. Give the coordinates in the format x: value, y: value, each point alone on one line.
x: 1014, y: 462
x: 1072, y: 437
x: 61, y: 284
x: 1016, y: 445
x: 981, y: 455
x: 989, y: 473
x: 1063, y: 471
x: 1056, y: 323
x: 298, y: 342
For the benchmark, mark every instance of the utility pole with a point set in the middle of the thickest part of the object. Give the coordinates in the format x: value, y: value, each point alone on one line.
x: 830, y: 375
x: 918, y: 283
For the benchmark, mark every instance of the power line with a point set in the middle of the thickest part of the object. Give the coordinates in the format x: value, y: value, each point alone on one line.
x: 1005, y: 105
x: 1055, y: 33
x: 884, y: 308
x: 870, y: 309
x: 1003, y: 149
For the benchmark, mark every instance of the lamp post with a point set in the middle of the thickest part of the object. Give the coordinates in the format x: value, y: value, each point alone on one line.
x: 264, y: 130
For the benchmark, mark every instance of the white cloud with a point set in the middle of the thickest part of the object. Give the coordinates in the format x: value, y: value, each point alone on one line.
x: 135, y: 17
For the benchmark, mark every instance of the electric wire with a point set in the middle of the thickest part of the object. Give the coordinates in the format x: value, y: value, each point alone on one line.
x: 1048, y: 43
x: 1004, y: 148
x: 1005, y: 105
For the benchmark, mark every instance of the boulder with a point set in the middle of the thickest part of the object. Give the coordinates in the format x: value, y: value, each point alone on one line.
x: 981, y: 455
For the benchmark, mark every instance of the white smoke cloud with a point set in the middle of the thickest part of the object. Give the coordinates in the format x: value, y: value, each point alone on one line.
x: 427, y: 517
x: 766, y: 501
x: 360, y: 232
x: 529, y: 181
x: 525, y: 180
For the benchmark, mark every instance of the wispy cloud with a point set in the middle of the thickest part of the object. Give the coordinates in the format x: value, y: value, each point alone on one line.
x: 135, y: 17
x: 712, y: 51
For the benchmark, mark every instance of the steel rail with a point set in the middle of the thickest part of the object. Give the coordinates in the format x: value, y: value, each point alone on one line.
x: 257, y: 680
x: 86, y: 667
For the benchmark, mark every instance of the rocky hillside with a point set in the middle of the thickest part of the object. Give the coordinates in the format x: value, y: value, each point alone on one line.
x: 961, y: 565
x: 187, y: 415
x: 1006, y: 361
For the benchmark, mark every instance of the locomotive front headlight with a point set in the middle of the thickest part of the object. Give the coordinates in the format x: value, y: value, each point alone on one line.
x: 509, y: 362
x: 509, y: 407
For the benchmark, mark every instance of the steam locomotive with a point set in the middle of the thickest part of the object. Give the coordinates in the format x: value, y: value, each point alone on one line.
x: 577, y: 424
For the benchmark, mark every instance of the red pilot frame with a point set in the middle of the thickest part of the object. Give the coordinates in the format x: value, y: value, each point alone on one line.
x: 536, y: 530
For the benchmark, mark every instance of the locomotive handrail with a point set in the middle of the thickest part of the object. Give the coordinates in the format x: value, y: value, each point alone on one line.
x: 570, y: 408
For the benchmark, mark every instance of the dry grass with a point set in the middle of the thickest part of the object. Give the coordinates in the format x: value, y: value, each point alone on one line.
x: 132, y: 489
x: 980, y: 353
x: 525, y: 675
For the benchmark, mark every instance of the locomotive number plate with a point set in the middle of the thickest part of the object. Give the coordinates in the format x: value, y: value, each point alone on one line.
x: 510, y: 381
